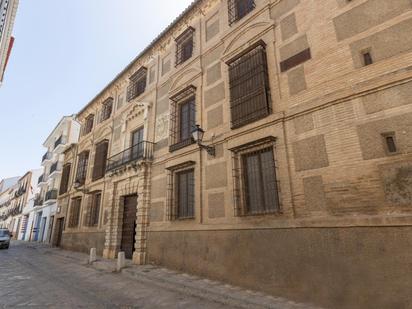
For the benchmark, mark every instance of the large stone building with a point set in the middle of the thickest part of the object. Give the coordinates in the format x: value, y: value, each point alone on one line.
x: 301, y: 186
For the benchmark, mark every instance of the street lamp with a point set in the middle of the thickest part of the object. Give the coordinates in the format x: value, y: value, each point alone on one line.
x: 197, y: 135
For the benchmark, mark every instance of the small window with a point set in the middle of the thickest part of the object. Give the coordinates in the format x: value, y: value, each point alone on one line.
x: 88, y: 125
x: 185, y: 194
x: 82, y: 167
x: 137, y: 84
x: 367, y: 58
x: 238, y: 9
x: 390, y: 143
x: 74, y: 217
x: 107, y: 108
x: 183, y: 118
x: 93, y: 212
x: 184, y: 46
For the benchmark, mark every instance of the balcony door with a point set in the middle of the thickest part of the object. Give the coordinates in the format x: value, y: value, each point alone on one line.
x: 137, y: 144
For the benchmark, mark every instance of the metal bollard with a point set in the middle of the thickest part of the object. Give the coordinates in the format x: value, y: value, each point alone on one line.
x: 92, y: 257
x: 121, y: 261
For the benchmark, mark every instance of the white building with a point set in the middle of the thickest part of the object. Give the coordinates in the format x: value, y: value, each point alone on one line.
x: 45, y: 205
x: 8, y: 9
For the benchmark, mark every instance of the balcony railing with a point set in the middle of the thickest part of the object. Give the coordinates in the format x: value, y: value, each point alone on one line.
x: 56, y: 167
x: 38, y: 201
x: 46, y: 156
x: 51, y: 195
x: 141, y: 151
x: 60, y: 141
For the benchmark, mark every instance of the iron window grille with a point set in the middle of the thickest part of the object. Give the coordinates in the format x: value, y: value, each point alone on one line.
x: 181, y: 192
x: 249, y: 87
x: 184, y: 46
x: 182, y: 118
x: 93, y: 211
x: 88, y: 125
x: 100, y: 159
x: 74, y: 216
x: 107, y: 108
x: 137, y: 84
x: 256, y: 186
x: 64, y: 184
x: 82, y: 167
x: 238, y: 9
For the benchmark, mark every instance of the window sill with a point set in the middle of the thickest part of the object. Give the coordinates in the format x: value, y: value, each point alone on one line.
x: 181, y: 144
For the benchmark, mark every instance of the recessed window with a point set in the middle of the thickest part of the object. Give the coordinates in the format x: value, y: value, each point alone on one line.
x: 137, y: 84
x: 238, y: 9
x: 100, y: 159
x: 185, y: 194
x: 64, y: 183
x: 93, y: 212
x: 74, y: 216
x: 107, y: 108
x: 183, y: 118
x: 88, y: 125
x: 82, y: 167
x: 256, y: 186
x: 390, y: 143
x: 249, y: 87
x: 367, y: 58
x: 184, y: 46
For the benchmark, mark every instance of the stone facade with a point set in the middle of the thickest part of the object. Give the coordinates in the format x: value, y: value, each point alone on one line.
x: 340, y: 130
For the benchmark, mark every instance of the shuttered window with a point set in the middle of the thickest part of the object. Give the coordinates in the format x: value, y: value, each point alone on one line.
x: 64, y: 183
x: 93, y: 211
x: 185, y: 194
x: 137, y: 84
x: 100, y: 159
x: 82, y: 167
x: 249, y: 87
x: 74, y: 216
x: 261, y: 190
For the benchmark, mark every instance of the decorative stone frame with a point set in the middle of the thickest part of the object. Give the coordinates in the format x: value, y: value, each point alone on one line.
x: 239, y: 199
x: 171, y: 206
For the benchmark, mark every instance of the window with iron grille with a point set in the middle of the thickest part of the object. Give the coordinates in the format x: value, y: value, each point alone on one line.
x: 238, y: 9
x: 183, y: 118
x: 137, y: 84
x: 93, y: 211
x: 100, y: 159
x: 184, y: 46
x: 64, y: 183
x: 107, y: 108
x: 88, y: 125
x: 82, y: 167
x: 255, y: 181
x: 249, y: 87
x: 74, y: 216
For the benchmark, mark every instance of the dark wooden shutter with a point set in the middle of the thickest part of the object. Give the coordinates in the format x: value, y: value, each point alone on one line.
x: 249, y: 87
x: 64, y: 184
x: 185, y: 194
x: 100, y: 158
x: 75, y: 212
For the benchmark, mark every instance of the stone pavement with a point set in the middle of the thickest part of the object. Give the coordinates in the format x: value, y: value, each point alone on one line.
x: 36, y: 276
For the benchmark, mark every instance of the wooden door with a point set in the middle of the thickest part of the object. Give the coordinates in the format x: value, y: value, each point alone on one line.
x: 129, y: 225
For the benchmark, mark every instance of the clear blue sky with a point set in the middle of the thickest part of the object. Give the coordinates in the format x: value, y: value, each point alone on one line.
x: 65, y: 53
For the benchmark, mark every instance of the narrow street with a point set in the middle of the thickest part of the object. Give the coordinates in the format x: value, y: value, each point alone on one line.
x: 32, y: 277
x: 36, y: 276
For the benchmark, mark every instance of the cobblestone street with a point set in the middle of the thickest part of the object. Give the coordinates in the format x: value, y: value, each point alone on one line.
x: 35, y: 276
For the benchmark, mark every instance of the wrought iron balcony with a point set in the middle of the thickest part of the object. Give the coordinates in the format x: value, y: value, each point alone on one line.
x: 60, y: 141
x: 47, y: 156
x: 141, y: 151
x: 51, y: 195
